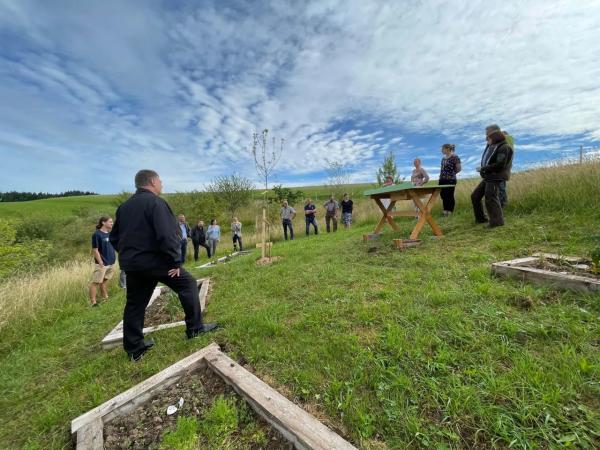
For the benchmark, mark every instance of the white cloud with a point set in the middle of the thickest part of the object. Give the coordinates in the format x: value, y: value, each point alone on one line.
x: 182, y: 89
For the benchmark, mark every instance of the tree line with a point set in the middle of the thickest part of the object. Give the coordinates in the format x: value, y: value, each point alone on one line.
x: 14, y: 196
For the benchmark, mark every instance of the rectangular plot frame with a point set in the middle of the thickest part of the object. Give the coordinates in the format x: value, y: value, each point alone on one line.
x: 519, y: 269
x: 300, y: 428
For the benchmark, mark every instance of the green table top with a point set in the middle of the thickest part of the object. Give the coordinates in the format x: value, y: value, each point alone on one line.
x: 405, y: 186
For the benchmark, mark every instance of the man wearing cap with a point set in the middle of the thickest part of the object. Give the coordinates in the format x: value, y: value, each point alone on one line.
x: 148, y: 239
x: 496, y: 163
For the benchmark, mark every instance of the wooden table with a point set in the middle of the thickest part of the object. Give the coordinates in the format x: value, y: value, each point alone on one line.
x: 407, y: 191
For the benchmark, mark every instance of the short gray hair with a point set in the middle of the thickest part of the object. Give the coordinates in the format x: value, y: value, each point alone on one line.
x: 144, y: 177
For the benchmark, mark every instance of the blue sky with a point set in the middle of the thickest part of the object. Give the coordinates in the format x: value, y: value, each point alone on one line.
x: 92, y: 91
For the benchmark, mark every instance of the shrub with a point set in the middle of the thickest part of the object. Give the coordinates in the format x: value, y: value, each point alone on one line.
x: 18, y: 257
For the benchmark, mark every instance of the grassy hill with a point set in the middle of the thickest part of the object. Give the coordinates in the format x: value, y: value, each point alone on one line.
x: 418, y: 349
x: 57, y: 207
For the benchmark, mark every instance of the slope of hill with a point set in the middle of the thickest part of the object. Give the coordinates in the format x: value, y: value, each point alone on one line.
x: 422, y: 348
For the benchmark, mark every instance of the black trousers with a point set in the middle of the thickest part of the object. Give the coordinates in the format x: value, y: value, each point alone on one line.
x: 197, y: 246
x: 447, y: 194
x: 313, y: 220
x: 183, y: 250
x: 238, y: 239
x: 490, y: 190
x: 287, y: 223
x: 140, y: 285
x: 328, y: 220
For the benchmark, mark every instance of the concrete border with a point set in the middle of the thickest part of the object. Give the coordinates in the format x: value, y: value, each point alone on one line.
x: 300, y: 428
x: 519, y: 269
x: 115, y: 337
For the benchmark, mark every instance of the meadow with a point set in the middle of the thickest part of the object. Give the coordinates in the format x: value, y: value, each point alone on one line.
x: 415, y: 349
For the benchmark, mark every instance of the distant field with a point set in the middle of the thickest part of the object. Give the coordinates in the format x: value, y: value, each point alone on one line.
x: 58, y: 207
x: 69, y: 206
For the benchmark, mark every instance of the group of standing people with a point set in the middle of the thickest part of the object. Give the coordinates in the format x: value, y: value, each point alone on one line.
x: 495, y: 168
x: 332, y: 210
x: 206, y: 237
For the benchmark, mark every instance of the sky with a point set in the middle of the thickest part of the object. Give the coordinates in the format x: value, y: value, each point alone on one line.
x: 92, y: 91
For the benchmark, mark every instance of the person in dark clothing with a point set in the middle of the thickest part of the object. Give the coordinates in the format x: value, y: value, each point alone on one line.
x: 184, y: 232
x: 448, y: 171
x: 347, y: 207
x: 199, y: 239
x: 496, y: 163
x: 503, y: 194
x: 309, y: 215
x: 148, y: 240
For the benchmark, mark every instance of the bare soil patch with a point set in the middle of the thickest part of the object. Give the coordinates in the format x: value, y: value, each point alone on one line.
x: 165, y: 309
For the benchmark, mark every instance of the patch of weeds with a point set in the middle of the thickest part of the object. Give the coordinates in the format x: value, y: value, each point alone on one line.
x: 183, y: 437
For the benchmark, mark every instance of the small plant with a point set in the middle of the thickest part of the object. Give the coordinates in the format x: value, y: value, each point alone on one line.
x: 183, y: 437
x: 219, y: 422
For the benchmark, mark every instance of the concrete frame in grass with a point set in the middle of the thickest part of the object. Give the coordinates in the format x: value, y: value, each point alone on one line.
x: 300, y: 428
x: 115, y: 337
x: 519, y: 269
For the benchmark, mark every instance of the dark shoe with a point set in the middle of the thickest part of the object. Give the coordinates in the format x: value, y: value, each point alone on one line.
x: 481, y: 221
x: 136, y: 356
x: 205, y: 329
x: 490, y: 225
x: 95, y: 304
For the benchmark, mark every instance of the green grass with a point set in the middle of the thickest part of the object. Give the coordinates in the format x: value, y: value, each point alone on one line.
x: 62, y: 207
x: 421, y: 348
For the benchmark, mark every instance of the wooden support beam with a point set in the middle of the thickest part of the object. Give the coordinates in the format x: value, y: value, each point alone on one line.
x: 386, y: 216
x: 295, y: 424
x: 91, y: 436
x: 266, y: 244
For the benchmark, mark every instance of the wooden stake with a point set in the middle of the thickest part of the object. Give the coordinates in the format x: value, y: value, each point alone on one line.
x: 264, y: 226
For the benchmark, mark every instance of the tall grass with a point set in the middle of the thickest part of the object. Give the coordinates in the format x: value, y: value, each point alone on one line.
x: 30, y: 298
x: 554, y: 187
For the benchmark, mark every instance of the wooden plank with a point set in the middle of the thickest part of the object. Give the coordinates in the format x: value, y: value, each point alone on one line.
x: 267, y: 244
x: 91, y: 436
x: 115, y: 339
x: 520, y: 261
x: 370, y: 237
x: 403, y: 213
x: 546, y: 277
x: 432, y: 223
x: 302, y: 429
x: 399, y: 196
x: 557, y: 257
x: 386, y: 217
x: 203, y: 294
x: 425, y: 213
x: 118, y: 404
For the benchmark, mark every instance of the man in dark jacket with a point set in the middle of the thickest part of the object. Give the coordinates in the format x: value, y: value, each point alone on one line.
x: 496, y: 163
x: 147, y: 237
x: 199, y: 239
